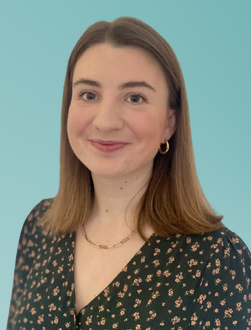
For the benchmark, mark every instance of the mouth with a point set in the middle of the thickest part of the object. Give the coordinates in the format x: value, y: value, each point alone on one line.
x: 108, y: 146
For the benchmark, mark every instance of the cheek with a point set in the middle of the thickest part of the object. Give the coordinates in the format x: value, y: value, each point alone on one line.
x: 150, y: 127
x: 76, y: 123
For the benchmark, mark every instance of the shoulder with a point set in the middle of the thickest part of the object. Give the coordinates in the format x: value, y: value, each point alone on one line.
x: 224, y: 296
x: 222, y: 239
x: 225, y: 244
x: 31, y: 222
x: 214, y: 253
x: 31, y: 231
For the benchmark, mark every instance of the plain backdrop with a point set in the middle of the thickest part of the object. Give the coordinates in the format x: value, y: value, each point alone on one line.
x: 212, y: 42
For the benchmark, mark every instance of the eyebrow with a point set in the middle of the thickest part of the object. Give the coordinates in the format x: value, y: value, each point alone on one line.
x: 128, y: 84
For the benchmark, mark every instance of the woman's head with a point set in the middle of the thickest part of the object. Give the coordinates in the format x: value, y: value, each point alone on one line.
x: 130, y: 32
x: 119, y: 113
x: 174, y: 201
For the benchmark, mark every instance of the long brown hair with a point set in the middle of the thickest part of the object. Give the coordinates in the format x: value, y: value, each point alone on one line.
x: 173, y: 201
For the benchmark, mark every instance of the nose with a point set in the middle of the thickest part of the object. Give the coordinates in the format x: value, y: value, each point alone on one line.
x: 108, y: 116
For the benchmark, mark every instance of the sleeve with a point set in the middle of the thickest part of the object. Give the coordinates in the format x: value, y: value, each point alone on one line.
x: 24, y: 259
x: 223, y: 301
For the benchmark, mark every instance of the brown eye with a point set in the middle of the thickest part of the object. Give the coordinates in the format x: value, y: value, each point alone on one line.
x: 136, y: 98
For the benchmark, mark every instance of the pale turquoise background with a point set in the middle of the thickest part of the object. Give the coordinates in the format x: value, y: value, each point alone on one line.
x: 212, y: 42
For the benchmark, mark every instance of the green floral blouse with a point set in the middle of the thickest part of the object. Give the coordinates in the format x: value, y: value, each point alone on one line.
x: 182, y: 282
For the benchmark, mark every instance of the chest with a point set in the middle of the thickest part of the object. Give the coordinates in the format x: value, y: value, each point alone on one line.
x: 95, y: 269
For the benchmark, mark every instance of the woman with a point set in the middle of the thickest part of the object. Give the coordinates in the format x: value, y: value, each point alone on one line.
x: 130, y: 241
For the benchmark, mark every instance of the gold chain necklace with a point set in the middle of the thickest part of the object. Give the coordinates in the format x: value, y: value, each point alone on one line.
x: 101, y: 246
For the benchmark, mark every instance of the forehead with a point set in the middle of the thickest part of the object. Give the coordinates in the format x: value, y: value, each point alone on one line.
x: 118, y: 63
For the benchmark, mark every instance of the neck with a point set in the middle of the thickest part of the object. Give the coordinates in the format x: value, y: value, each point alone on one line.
x: 116, y: 199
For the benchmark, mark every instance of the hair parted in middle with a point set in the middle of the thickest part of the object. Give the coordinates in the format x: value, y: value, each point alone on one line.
x: 173, y: 201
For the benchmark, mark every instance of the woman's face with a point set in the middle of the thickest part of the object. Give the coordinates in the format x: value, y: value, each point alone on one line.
x: 118, y: 114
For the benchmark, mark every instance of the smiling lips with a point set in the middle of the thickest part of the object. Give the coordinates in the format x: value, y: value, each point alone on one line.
x: 107, y: 146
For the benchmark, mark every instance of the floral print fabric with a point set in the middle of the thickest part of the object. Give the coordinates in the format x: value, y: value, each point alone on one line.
x: 199, y: 281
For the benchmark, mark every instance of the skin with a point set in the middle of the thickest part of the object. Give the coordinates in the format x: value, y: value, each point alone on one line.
x: 116, y: 131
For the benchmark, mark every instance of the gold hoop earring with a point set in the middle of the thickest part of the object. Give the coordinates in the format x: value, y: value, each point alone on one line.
x: 166, y: 150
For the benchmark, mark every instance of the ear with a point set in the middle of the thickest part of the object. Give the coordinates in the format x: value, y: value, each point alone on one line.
x: 170, y: 125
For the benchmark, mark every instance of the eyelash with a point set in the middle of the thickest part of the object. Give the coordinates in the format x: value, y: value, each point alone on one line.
x: 136, y: 94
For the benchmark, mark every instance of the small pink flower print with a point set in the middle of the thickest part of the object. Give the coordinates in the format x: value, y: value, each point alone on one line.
x: 235, y: 240
x: 192, y: 262
x: 121, y: 295
x: 175, y: 320
x: 69, y: 293
x: 198, y: 273
x: 178, y: 277
x: 54, y: 263
x: 209, y: 304
x: 56, y: 291
x: 149, y: 278
x: 153, y: 316
x: 122, y: 312
x: 60, y: 269
x: 239, y: 287
x: 178, y: 302
x: 171, y: 259
x: 40, y: 319
x: 156, y: 263
x: 167, y: 273
x: 201, y: 298
x: 194, y: 319
x: 217, y: 322
x: 137, y: 281
x: 55, y: 320
x: 238, y: 306
x: 136, y: 315
x: 195, y: 246
x: 115, y: 325
x: 228, y: 312
x: 33, y: 311
x: 170, y: 292
x: 215, y: 271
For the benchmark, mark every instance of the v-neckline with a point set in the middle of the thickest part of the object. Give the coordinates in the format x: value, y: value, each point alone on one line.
x: 130, y: 262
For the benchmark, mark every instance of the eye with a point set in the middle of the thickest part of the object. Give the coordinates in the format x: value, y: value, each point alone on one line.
x: 88, y: 96
x: 136, y: 98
